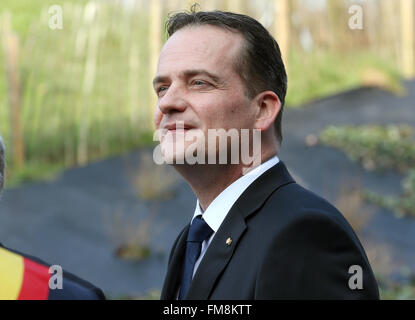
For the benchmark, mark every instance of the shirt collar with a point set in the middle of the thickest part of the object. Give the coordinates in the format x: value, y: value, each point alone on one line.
x: 220, y: 206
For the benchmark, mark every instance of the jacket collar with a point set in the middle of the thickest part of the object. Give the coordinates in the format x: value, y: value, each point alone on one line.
x: 219, y: 253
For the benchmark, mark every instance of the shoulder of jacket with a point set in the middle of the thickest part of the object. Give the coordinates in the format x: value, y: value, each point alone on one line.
x: 24, y: 276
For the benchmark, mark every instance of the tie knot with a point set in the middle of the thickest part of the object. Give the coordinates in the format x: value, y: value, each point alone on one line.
x: 199, y: 230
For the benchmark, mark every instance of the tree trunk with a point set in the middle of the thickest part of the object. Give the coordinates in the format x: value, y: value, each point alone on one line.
x: 11, y: 54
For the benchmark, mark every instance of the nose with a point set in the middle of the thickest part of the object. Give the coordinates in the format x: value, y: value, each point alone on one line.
x: 172, y: 101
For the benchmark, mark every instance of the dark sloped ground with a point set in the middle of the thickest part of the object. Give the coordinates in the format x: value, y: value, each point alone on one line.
x: 326, y: 170
x: 72, y: 221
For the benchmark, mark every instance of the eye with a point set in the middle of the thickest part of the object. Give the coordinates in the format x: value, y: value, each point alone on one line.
x: 200, y: 83
x: 161, y: 89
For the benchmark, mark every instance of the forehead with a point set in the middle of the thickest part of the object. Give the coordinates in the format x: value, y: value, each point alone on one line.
x: 200, y: 47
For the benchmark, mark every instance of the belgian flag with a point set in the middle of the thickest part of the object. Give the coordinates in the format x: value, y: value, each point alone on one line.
x: 24, y: 277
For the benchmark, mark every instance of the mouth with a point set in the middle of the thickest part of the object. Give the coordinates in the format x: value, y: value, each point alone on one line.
x: 178, y: 130
x: 179, y: 127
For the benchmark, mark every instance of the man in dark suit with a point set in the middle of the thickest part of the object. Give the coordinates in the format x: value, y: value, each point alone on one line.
x: 24, y: 277
x: 255, y: 233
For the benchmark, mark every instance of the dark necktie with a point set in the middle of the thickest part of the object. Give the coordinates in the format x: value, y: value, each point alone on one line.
x: 199, y: 231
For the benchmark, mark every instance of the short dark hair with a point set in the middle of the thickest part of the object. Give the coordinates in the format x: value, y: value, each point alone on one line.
x: 260, y: 64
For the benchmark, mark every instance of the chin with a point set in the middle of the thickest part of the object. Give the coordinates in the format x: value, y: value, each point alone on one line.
x: 173, y: 153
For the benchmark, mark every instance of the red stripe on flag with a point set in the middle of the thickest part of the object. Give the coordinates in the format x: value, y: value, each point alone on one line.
x: 35, y: 284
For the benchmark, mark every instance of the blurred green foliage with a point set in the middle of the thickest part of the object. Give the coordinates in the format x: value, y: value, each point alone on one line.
x: 402, y: 205
x: 319, y: 73
x: 393, y: 290
x: 153, y: 294
x: 375, y: 146
x: 380, y: 147
x: 86, y: 89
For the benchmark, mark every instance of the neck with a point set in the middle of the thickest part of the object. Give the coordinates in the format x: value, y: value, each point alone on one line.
x: 209, y: 180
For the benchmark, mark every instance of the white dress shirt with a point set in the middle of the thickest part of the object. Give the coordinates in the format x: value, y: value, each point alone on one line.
x: 220, y: 206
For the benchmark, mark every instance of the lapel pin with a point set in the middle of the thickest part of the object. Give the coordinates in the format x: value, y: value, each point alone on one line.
x: 229, y: 241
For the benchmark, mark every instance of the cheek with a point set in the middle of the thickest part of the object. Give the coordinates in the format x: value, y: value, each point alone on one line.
x: 222, y: 111
x: 239, y: 114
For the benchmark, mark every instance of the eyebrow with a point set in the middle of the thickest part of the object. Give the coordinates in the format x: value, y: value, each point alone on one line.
x: 190, y: 73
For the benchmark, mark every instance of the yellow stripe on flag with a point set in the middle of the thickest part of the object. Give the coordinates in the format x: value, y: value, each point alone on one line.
x: 11, y: 274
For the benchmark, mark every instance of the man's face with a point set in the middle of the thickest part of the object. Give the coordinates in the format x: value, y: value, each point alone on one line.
x: 196, y: 83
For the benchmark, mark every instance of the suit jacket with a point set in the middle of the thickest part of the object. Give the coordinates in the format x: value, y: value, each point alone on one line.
x: 287, y: 243
x: 24, y: 277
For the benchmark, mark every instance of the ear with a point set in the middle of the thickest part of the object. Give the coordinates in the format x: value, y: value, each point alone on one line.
x: 268, y: 106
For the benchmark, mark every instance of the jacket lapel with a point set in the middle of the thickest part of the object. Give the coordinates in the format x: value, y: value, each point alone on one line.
x: 220, y: 252
x: 217, y: 256
x: 174, y: 270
